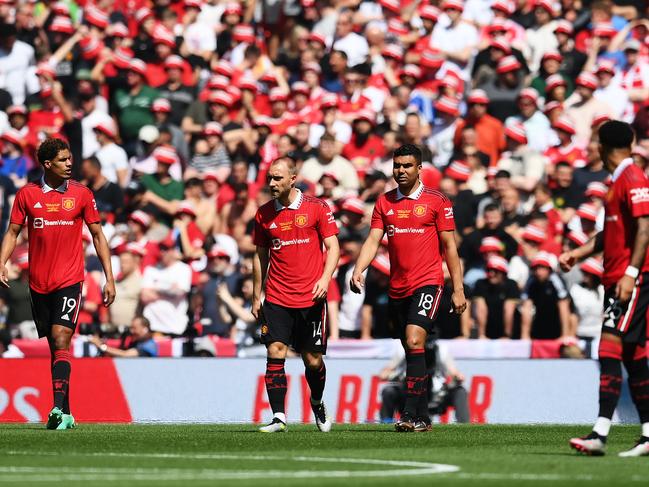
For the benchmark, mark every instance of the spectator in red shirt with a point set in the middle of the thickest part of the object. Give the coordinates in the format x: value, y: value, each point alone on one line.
x: 188, y: 238
x: 429, y: 15
x: 352, y: 100
x: 364, y: 148
x: 280, y: 118
x: 544, y: 204
x: 566, y: 150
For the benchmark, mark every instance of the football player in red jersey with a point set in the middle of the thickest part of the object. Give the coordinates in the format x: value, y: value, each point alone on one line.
x: 290, y: 232
x: 416, y: 219
x: 624, y: 242
x: 54, y: 211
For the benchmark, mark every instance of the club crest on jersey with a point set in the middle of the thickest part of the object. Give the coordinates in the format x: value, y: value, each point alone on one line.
x: 67, y: 204
x: 419, y: 210
x: 264, y: 329
x: 301, y: 220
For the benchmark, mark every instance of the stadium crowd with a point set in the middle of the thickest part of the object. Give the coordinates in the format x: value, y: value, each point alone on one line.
x: 174, y: 110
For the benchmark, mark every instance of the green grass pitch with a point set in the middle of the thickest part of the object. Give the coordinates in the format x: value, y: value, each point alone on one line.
x: 368, y: 455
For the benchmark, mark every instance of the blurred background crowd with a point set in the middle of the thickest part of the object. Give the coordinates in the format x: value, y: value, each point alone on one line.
x: 174, y: 109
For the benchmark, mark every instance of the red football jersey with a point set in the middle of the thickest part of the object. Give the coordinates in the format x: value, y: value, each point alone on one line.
x: 570, y: 154
x: 364, y: 156
x: 412, y: 224
x: 627, y: 199
x: 55, y: 221
x: 294, y: 235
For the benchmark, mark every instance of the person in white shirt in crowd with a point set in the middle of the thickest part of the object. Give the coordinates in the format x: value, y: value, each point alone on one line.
x: 165, y: 291
x: 447, y: 111
x: 349, y: 314
x: 16, y: 59
x: 572, y: 240
x: 211, y: 13
x: 352, y: 44
x: 540, y: 37
x: 478, y: 12
x: 610, y: 91
x: 93, y: 115
x: 587, y: 297
x: 582, y: 107
x: 635, y: 75
x: 586, y: 219
x: 199, y: 38
x: 342, y: 131
x: 113, y: 158
x: 525, y: 165
x: 540, y: 135
x: 328, y: 161
x: 456, y: 39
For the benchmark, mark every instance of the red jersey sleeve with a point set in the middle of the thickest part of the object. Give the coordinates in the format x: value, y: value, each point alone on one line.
x: 377, y: 215
x: 636, y: 194
x: 18, y: 213
x: 196, y: 237
x: 444, y: 216
x: 259, y: 235
x: 90, y: 213
x: 326, y: 222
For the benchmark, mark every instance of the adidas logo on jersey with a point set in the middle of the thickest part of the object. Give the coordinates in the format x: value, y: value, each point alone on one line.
x: 390, y: 212
x: 272, y: 225
x: 38, y: 205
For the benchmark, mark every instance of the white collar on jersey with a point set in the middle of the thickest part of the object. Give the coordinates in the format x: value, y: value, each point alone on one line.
x: 294, y: 205
x: 412, y: 196
x: 620, y: 169
x: 47, y: 189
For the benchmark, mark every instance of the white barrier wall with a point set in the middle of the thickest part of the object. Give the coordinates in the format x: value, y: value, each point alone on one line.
x: 232, y: 390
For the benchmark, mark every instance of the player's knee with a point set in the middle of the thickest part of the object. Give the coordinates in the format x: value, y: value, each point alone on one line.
x: 61, y: 340
x: 312, y: 361
x: 61, y: 343
x: 277, y: 350
x: 413, y: 342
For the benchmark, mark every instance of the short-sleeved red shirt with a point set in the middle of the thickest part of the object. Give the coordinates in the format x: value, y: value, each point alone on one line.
x: 412, y: 224
x: 627, y: 199
x: 55, y: 221
x: 294, y: 235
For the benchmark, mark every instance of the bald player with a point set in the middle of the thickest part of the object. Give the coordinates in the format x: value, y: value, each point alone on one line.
x: 291, y: 266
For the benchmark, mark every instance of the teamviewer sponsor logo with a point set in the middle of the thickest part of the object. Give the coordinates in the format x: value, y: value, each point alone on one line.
x: 41, y: 223
x: 393, y: 230
x: 57, y: 223
x: 279, y: 243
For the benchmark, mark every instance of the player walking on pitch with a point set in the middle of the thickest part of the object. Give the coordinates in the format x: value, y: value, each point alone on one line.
x: 290, y: 231
x: 416, y: 219
x: 624, y: 241
x: 54, y: 210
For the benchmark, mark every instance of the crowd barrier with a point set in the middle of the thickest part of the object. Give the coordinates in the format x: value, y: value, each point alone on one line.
x: 233, y: 391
